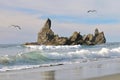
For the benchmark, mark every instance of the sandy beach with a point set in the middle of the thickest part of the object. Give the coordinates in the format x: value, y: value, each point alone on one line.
x: 95, y: 70
x: 108, y: 77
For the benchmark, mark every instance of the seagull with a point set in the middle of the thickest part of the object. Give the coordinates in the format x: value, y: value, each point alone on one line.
x: 91, y: 11
x: 16, y: 26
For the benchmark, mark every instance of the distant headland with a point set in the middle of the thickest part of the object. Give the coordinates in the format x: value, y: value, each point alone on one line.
x: 47, y: 37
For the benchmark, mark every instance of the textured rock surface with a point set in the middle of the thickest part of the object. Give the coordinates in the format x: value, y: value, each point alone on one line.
x: 75, y: 39
x: 46, y: 34
x: 47, y: 37
x: 100, y: 38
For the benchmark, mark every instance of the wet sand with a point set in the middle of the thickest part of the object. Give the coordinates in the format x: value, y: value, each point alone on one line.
x: 95, y: 70
x: 108, y: 77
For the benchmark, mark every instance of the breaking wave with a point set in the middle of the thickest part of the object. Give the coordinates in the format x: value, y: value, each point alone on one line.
x: 18, y: 57
x: 42, y: 56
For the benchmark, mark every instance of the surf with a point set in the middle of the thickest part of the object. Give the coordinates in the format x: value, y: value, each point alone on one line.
x: 33, y: 56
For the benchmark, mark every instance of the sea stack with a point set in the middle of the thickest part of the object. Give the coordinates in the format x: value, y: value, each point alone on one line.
x: 46, y: 34
x: 47, y: 37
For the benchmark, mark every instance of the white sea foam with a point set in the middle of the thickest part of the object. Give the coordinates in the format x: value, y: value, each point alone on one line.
x: 45, y: 56
x: 78, y: 52
x: 85, y: 54
x: 18, y: 67
x: 43, y: 47
x: 67, y: 55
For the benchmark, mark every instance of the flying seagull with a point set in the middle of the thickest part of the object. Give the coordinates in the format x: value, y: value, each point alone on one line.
x: 16, y: 26
x: 89, y: 11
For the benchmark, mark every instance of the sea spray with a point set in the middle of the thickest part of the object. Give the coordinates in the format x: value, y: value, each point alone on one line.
x: 33, y: 56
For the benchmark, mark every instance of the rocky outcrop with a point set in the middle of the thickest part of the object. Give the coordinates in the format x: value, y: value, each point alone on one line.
x: 47, y: 37
x: 100, y: 38
x: 97, y: 38
x: 75, y: 39
x: 88, y: 39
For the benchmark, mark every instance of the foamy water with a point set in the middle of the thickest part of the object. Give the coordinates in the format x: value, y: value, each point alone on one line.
x: 18, y: 57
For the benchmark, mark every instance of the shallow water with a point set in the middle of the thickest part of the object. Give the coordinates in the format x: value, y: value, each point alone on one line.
x: 75, y: 71
x: 18, y: 57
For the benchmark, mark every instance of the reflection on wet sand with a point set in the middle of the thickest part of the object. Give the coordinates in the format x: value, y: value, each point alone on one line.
x: 48, y: 75
x: 88, y: 71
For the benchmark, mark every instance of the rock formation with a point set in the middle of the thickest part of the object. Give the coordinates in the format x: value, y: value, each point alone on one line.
x: 47, y: 37
x: 100, y: 38
x: 46, y: 34
x: 97, y: 38
x: 75, y: 39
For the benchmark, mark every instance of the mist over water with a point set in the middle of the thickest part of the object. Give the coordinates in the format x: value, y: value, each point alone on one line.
x: 17, y: 57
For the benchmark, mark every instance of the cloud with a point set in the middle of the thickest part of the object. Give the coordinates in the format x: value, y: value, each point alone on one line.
x: 70, y: 15
x: 68, y: 9
x: 65, y: 7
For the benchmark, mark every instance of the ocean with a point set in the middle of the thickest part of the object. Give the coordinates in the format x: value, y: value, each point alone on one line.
x: 19, y: 57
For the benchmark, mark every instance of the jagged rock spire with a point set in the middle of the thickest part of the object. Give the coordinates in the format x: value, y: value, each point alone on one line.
x: 47, y: 24
x: 46, y: 34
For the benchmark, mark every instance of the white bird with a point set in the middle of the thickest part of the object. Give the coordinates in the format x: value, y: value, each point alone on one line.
x: 16, y: 26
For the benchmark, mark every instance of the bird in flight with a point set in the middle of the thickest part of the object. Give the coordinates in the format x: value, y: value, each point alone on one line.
x: 16, y: 26
x: 90, y: 11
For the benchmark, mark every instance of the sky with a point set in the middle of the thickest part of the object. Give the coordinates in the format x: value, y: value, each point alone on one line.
x: 67, y: 16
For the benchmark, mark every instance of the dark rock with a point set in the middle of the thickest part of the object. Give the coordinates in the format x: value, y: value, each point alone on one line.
x: 61, y: 41
x: 89, y: 43
x: 32, y: 43
x: 97, y: 38
x: 96, y: 32
x: 100, y: 38
x: 46, y: 34
x: 75, y: 36
x: 75, y: 39
x: 88, y: 39
x: 47, y: 25
x: 84, y: 37
x: 47, y: 37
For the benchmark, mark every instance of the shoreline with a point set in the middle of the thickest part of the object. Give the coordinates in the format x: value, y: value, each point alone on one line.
x: 94, y: 70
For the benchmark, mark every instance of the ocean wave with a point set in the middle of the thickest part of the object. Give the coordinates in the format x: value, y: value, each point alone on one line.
x: 40, y: 57
x: 37, y: 57
x: 77, y: 52
x: 102, y: 53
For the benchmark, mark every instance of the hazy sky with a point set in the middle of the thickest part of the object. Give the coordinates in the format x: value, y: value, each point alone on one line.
x: 67, y: 16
